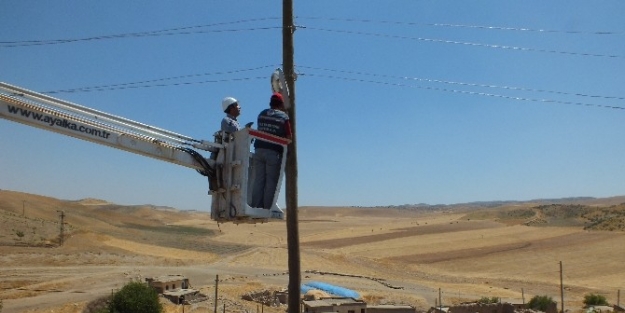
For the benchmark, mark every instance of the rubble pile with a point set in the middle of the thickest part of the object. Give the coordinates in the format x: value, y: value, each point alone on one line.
x: 266, y: 297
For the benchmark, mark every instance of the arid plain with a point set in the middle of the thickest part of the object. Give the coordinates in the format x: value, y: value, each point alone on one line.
x: 388, y: 255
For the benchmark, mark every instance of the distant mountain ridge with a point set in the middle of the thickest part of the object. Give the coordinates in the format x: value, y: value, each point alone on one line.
x: 503, y: 203
x: 92, y: 201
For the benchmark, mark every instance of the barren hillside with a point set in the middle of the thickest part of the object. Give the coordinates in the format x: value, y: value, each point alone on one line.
x: 387, y: 255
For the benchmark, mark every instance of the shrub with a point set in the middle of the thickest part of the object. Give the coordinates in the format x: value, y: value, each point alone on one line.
x: 100, y: 305
x: 593, y: 299
x: 540, y: 303
x: 487, y: 300
x: 136, y: 297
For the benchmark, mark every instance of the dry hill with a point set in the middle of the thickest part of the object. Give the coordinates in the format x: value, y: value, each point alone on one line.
x: 387, y: 255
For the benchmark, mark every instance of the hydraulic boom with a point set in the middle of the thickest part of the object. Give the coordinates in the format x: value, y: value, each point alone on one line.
x: 228, y: 169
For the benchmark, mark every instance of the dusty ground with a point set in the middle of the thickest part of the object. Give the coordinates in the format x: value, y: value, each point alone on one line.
x: 391, y: 257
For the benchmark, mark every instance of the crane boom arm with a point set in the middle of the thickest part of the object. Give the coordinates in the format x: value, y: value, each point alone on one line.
x: 42, y: 111
x: 230, y: 170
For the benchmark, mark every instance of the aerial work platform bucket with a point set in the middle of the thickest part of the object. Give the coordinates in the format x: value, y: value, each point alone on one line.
x: 231, y: 199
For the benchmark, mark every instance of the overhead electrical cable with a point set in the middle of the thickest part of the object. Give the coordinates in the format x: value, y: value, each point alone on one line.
x: 121, y: 87
x: 155, y: 83
x: 464, y: 43
x: 520, y: 29
x: 187, y: 30
x: 63, y: 41
x: 464, y: 84
x: 118, y: 86
x: 464, y: 92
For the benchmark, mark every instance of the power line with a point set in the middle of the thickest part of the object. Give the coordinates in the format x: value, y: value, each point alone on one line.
x: 465, y: 92
x: 187, y: 30
x: 155, y: 83
x: 63, y: 41
x: 484, y: 27
x: 465, y: 84
x: 464, y: 43
x: 122, y: 87
x: 129, y: 85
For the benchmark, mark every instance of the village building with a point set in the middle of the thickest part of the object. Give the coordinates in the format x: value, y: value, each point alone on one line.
x: 438, y: 309
x: 474, y: 307
x: 350, y: 305
x: 334, y: 304
x: 391, y: 308
x: 600, y: 309
x: 168, y: 282
x: 176, y: 288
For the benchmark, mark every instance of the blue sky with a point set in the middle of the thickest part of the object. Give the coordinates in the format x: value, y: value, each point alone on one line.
x: 398, y: 102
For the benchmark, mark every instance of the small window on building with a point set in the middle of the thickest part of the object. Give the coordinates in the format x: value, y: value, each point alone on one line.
x: 174, y: 287
x: 351, y: 311
x: 166, y: 287
x: 362, y: 310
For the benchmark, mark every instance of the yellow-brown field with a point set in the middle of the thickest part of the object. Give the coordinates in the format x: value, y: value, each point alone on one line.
x: 390, y: 255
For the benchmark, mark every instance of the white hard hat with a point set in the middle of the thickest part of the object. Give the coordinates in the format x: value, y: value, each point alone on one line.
x: 226, y: 102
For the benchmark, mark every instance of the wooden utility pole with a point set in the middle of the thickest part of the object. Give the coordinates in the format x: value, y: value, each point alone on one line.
x: 561, y: 290
x: 440, y: 301
x: 62, y: 216
x: 523, y: 296
x: 292, y: 226
x: 216, y: 291
x: 618, y: 297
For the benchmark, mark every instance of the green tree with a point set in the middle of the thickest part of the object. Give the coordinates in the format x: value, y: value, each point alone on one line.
x: 540, y: 303
x: 136, y: 297
x: 593, y: 299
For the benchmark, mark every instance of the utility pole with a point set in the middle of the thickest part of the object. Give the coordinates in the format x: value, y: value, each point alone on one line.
x: 23, y: 206
x: 618, y: 297
x: 440, y: 301
x: 62, y: 216
x: 216, y: 291
x: 523, y: 296
x: 288, y: 28
x: 561, y: 290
